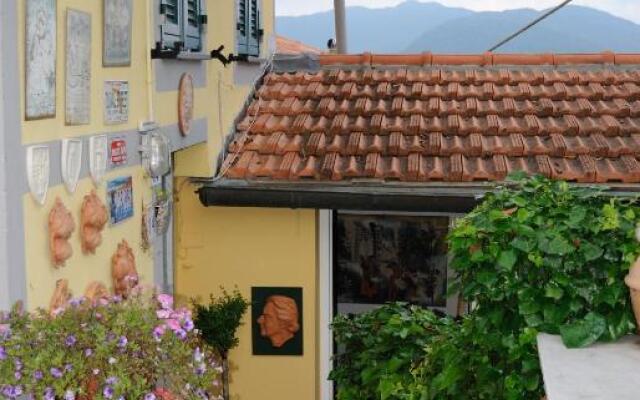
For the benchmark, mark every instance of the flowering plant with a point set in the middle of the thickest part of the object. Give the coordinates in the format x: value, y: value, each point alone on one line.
x: 112, y: 349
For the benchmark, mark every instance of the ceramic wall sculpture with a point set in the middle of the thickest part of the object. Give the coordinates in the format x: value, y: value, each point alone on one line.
x: 61, y: 226
x: 123, y: 270
x: 95, y: 292
x: 60, y: 298
x: 279, y: 320
x: 633, y: 282
x: 93, y: 218
x: 185, y: 104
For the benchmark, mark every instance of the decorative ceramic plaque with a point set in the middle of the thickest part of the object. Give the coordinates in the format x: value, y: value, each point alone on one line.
x: 38, y: 172
x: 118, y: 15
x: 98, y: 155
x: 276, y: 321
x: 185, y: 104
x: 78, y: 86
x: 71, y: 163
x: 120, y: 199
x: 116, y: 102
x: 40, y: 59
x: 118, y: 152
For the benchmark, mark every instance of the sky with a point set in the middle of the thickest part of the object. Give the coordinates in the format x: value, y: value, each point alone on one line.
x: 629, y: 9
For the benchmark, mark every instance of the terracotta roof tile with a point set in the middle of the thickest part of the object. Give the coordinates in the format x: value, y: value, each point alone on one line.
x: 448, y: 118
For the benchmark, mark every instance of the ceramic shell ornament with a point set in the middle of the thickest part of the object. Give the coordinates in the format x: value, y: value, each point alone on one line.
x: 71, y: 163
x: 61, y: 226
x: 93, y: 218
x: 185, y: 104
x: 38, y: 172
x: 60, y: 298
x: 123, y: 270
x: 98, y: 157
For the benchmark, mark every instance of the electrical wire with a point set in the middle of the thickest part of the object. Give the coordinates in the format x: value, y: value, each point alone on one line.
x: 531, y: 25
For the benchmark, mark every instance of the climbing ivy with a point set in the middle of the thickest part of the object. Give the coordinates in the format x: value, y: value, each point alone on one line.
x: 545, y: 256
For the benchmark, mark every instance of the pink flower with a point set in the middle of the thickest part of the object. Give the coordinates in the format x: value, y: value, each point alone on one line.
x: 166, y: 301
x: 173, y: 324
x: 163, y: 314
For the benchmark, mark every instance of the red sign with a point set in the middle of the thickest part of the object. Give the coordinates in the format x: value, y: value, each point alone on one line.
x: 118, y: 152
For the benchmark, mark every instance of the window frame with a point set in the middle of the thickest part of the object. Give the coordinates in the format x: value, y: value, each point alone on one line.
x: 182, y: 34
x: 249, y: 31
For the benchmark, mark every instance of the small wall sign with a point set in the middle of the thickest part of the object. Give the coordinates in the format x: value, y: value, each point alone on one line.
x: 98, y: 155
x: 118, y: 152
x: 120, y: 199
x: 38, y: 172
x: 276, y: 321
x: 116, y: 102
x: 71, y: 163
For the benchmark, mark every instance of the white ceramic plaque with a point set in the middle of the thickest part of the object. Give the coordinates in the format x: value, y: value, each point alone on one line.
x: 78, y: 84
x: 40, y: 54
x: 71, y: 163
x: 118, y: 15
x: 98, y: 155
x: 38, y: 172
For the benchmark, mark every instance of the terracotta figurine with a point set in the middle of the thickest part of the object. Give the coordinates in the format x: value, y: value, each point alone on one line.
x: 633, y: 281
x: 123, y: 270
x: 61, y: 226
x: 279, y: 320
x: 93, y: 217
x: 60, y: 298
x: 95, y: 292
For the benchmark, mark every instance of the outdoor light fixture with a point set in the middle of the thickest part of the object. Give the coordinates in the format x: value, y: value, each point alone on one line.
x: 155, y: 151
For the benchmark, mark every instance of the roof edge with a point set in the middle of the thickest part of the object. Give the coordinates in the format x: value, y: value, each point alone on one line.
x: 485, y: 59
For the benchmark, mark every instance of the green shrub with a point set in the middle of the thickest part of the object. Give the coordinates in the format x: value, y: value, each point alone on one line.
x: 380, y: 350
x: 545, y: 256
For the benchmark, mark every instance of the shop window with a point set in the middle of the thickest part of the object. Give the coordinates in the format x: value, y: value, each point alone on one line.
x: 183, y: 24
x: 248, y: 31
x: 388, y: 258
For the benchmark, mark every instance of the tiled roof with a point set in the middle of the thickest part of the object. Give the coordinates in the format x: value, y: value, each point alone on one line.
x: 291, y: 47
x: 418, y: 118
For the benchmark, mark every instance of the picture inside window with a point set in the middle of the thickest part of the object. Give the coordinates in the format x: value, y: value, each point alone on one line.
x: 387, y: 258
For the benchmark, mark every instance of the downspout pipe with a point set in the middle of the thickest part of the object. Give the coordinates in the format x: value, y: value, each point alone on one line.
x: 341, y: 25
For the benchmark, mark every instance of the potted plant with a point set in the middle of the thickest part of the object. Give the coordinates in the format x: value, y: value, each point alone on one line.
x: 218, y: 324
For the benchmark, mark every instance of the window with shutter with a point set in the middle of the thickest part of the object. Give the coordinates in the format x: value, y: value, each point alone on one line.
x: 192, y: 26
x: 183, y: 23
x: 170, y: 31
x: 249, y: 31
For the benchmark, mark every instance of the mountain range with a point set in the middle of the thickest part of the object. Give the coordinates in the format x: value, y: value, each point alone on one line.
x: 414, y: 26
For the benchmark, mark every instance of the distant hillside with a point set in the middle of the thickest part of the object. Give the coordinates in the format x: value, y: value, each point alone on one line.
x: 573, y: 29
x: 415, y: 27
x: 382, y: 30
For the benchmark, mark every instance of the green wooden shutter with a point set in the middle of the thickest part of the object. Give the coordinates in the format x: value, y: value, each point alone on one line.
x: 192, y: 25
x: 242, y: 28
x: 255, y: 30
x: 170, y: 31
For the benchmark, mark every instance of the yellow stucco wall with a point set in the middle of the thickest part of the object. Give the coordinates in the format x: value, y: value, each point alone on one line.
x: 247, y: 247
x: 82, y: 269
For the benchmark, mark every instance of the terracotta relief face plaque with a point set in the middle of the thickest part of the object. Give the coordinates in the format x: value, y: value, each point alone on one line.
x: 185, y: 104
x: 38, y: 172
x: 276, y: 321
x: 98, y: 155
x: 71, y: 163
x: 123, y: 270
x: 93, y: 218
x: 61, y: 226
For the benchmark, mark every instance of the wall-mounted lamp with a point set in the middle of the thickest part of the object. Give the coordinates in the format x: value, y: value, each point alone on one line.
x: 155, y: 151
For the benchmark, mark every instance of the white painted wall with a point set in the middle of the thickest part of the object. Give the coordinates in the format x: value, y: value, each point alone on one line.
x: 4, y: 260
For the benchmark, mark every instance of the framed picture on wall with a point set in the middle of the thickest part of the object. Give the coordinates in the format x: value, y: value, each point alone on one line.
x: 120, y: 199
x: 40, y: 59
x: 276, y: 321
x: 116, y: 49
